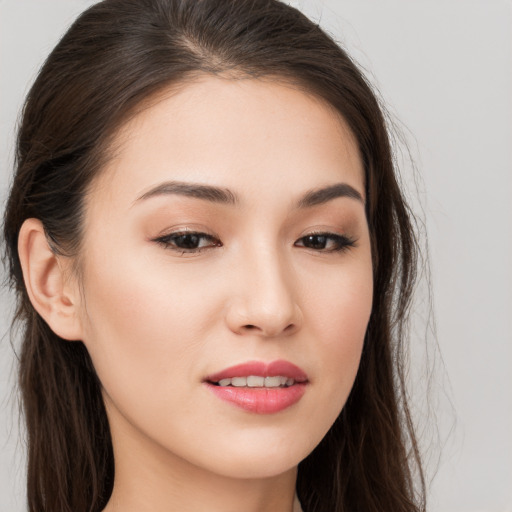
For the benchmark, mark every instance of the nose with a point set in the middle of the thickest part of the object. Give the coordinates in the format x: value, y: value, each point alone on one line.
x: 264, y: 302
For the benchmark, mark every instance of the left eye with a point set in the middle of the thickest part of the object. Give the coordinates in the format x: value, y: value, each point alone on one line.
x: 326, y: 242
x: 188, y: 241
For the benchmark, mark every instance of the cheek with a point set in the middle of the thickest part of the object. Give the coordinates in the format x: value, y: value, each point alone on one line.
x: 143, y: 326
x: 340, y: 308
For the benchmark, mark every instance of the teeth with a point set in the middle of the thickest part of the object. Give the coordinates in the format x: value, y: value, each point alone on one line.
x: 239, y: 382
x: 256, y: 381
x: 272, y: 382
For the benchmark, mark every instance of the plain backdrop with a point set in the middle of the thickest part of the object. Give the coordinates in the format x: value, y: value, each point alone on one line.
x: 444, y: 69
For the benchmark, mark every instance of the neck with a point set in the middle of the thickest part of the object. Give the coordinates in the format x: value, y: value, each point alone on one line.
x: 150, y: 479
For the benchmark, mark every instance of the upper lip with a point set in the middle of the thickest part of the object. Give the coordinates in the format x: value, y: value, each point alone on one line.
x: 264, y: 369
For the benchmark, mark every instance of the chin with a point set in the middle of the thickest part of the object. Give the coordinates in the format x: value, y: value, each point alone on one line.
x: 251, y: 468
x: 258, y: 458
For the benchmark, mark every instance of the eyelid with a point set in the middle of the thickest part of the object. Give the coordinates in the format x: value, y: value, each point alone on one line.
x: 347, y: 241
x: 170, y: 240
x: 166, y: 240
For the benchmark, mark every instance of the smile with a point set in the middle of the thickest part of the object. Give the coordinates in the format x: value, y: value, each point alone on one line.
x: 257, y: 381
x: 262, y: 388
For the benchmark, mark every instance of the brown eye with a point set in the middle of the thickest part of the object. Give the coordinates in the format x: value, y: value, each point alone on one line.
x: 188, y: 241
x: 326, y: 242
x: 315, y: 241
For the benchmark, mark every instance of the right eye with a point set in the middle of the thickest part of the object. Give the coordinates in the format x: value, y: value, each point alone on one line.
x: 188, y: 241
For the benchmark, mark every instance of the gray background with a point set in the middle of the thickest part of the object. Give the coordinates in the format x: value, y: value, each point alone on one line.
x: 444, y: 68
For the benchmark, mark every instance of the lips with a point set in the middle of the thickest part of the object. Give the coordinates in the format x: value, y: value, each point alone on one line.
x: 263, y: 388
x: 273, y: 369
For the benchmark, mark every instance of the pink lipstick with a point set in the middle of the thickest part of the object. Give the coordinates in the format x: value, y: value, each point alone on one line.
x: 263, y: 388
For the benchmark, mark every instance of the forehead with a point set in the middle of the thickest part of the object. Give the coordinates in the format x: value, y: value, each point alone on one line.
x: 246, y: 134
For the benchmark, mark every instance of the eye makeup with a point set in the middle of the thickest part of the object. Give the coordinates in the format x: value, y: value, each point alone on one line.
x: 190, y: 242
x: 328, y: 228
x: 326, y: 242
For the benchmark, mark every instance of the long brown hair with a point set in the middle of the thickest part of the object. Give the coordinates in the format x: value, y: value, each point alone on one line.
x: 117, y: 54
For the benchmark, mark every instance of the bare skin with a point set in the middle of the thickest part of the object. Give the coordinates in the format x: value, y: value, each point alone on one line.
x: 175, y: 287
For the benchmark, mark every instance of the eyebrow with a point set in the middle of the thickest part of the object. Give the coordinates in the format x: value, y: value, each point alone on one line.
x: 225, y: 196
x: 325, y: 194
x: 196, y: 190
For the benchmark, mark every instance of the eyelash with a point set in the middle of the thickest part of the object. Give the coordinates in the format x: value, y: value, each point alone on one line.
x: 169, y: 241
x: 342, y: 242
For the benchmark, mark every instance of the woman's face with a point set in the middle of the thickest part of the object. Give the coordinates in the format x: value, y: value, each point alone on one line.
x: 229, y: 229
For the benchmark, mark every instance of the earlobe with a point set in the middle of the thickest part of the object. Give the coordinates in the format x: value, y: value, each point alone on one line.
x: 44, y: 275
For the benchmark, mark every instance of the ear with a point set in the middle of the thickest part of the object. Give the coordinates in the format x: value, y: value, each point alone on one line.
x: 56, y: 300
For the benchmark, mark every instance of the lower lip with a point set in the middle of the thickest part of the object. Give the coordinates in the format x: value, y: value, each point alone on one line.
x: 260, y: 400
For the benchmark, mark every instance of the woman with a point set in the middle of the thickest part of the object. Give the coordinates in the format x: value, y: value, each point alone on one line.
x: 213, y: 263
